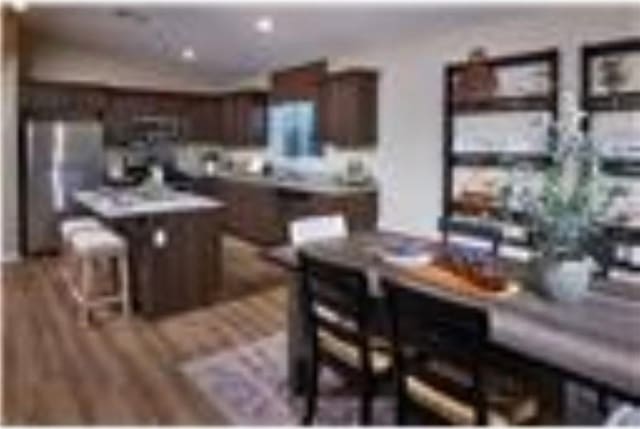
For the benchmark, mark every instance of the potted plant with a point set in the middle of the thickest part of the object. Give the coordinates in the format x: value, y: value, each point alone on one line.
x: 566, y: 209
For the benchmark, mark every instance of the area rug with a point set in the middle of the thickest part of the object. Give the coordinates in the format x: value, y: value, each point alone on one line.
x: 248, y: 385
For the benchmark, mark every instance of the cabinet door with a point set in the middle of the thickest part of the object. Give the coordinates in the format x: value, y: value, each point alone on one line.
x: 203, y: 118
x: 228, y: 117
x: 251, y: 119
x: 62, y: 101
x: 350, y: 108
x: 299, y: 83
x: 175, y: 260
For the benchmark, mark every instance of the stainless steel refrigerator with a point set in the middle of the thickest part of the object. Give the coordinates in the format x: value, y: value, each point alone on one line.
x: 61, y: 158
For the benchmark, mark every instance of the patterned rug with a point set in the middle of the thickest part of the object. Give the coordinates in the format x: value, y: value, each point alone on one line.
x: 248, y: 385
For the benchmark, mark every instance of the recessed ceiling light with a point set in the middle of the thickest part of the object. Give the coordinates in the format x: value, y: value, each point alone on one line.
x: 188, y: 54
x: 264, y: 25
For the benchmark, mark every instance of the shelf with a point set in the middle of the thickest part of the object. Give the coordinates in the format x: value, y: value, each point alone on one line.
x: 492, y: 159
x: 607, y: 103
x: 623, y: 233
x: 621, y: 167
x: 496, y: 214
x: 504, y: 104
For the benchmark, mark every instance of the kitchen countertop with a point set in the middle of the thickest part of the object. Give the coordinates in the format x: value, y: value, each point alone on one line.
x: 131, y: 202
x: 305, y: 185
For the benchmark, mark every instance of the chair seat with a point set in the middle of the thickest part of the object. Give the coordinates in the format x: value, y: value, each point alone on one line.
x: 96, y: 242
x: 503, y: 408
x: 349, y: 354
x: 71, y: 226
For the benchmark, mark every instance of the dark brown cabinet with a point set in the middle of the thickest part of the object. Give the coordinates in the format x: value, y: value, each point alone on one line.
x: 181, y: 272
x: 298, y: 83
x: 237, y: 119
x: 126, y: 106
x: 349, y: 108
x: 244, y: 119
x: 203, y: 121
x: 252, y: 211
x: 260, y: 211
x: 52, y: 101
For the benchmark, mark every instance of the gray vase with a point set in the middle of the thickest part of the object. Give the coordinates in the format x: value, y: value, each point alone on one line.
x: 566, y: 280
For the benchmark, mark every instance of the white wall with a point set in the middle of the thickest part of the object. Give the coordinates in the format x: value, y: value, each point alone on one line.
x: 57, y: 61
x: 9, y: 136
x: 409, y: 156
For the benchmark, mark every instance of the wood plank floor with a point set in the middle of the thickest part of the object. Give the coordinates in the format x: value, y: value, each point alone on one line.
x: 57, y: 372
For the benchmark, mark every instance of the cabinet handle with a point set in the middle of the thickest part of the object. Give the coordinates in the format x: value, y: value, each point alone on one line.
x: 160, y: 238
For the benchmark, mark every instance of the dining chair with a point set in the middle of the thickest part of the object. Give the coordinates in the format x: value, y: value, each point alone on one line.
x: 481, y: 236
x: 441, y: 360
x: 337, y: 326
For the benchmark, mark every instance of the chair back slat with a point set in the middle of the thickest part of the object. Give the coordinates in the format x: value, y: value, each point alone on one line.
x: 427, y: 321
x: 425, y: 330
x: 338, y: 288
x: 335, y: 298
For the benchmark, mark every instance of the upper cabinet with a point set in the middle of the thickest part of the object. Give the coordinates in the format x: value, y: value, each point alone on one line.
x: 243, y: 117
x: 203, y: 118
x: 126, y: 106
x: 251, y: 118
x: 349, y: 108
x: 298, y: 83
x: 53, y: 101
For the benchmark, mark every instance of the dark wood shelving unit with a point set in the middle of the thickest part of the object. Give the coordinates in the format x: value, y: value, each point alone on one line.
x: 619, y: 102
x: 502, y: 159
x: 622, y: 167
x: 615, y: 101
x: 495, y: 105
x: 504, y: 104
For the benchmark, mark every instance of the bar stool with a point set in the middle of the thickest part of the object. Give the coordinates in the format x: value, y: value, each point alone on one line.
x: 88, y: 247
x: 72, y: 225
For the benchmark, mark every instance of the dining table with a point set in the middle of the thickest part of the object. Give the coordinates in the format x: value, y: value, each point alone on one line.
x: 594, y: 341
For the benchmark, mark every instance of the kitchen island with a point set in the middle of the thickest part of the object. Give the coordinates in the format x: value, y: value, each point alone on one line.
x: 174, y: 241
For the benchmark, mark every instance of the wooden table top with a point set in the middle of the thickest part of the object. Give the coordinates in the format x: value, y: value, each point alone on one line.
x: 597, y: 339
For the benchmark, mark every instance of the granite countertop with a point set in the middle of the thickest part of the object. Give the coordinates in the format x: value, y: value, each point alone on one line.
x: 131, y: 202
x: 305, y: 185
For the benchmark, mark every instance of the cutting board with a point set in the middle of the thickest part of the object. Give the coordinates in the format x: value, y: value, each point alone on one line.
x: 436, y: 275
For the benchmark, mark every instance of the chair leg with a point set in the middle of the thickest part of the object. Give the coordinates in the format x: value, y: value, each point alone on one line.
x: 311, y: 391
x: 87, y: 276
x: 123, y: 270
x: 366, y: 398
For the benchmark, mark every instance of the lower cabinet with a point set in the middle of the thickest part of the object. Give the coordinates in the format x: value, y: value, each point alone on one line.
x: 261, y: 213
x: 253, y: 212
x: 175, y: 260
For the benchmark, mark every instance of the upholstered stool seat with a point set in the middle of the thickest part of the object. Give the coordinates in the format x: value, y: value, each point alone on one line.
x: 70, y: 226
x: 97, y: 241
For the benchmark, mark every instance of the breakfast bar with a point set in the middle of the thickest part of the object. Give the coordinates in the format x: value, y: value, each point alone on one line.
x: 173, y: 242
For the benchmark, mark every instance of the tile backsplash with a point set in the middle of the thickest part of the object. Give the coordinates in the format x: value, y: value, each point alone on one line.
x: 189, y: 157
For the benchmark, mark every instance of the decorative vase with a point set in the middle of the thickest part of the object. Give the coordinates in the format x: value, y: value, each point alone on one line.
x: 565, y: 280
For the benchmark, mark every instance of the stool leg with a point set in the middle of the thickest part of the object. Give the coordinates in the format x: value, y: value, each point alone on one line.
x: 123, y: 268
x: 87, y: 274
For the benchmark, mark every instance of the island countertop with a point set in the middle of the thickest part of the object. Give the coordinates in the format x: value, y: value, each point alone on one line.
x: 121, y: 203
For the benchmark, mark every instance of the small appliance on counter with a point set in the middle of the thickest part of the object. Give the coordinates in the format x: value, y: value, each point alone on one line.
x: 355, y: 173
x: 212, y: 162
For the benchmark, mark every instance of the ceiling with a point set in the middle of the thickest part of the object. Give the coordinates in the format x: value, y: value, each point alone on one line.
x: 225, y: 40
